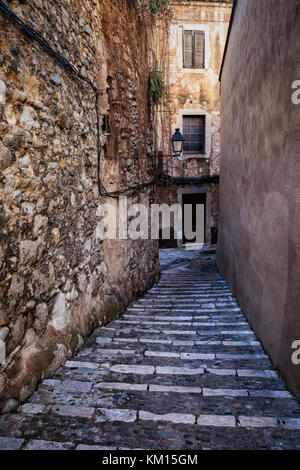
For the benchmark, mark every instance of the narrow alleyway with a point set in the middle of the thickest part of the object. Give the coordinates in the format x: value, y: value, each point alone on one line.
x: 180, y: 370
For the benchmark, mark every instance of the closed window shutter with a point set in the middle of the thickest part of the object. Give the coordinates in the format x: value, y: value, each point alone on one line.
x: 199, y: 49
x: 188, y: 49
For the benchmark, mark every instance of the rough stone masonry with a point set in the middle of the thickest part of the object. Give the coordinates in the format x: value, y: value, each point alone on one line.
x: 58, y: 281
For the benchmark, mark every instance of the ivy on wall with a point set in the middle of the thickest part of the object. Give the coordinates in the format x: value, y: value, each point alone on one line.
x: 156, y: 86
x: 159, y: 8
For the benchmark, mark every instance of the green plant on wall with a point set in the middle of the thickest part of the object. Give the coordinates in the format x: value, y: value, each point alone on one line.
x: 159, y: 7
x: 156, y: 86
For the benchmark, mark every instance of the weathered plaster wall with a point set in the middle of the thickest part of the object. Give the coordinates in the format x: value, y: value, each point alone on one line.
x: 259, y: 245
x: 58, y: 280
x: 197, y: 91
x: 194, y: 92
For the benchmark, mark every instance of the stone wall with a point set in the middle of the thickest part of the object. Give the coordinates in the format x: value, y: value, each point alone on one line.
x: 259, y: 247
x: 58, y: 280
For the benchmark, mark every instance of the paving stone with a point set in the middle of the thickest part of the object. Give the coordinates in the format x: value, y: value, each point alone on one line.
x: 178, y: 371
x: 241, y: 343
x: 52, y: 383
x: 121, y: 386
x: 87, y: 447
x: 127, y: 416
x: 209, y: 333
x: 216, y: 420
x: 75, y: 411
x: 222, y: 372
x: 208, y: 392
x: 179, y: 332
x: 196, y: 356
x: 171, y: 417
x: 174, y: 389
x: 290, y: 423
x: 83, y: 365
x: 125, y: 340
x: 183, y: 343
x: 77, y: 386
x: 239, y: 357
x: 161, y: 354
x: 257, y: 422
x: 10, y: 443
x: 270, y: 393
x: 48, y: 445
x: 103, y: 340
x: 257, y: 373
x: 208, y: 343
x: 136, y: 369
x: 115, y: 352
x: 166, y: 318
x: 33, y: 408
x: 155, y: 341
x: 236, y: 332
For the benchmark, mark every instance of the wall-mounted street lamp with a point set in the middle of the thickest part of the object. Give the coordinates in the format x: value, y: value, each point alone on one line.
x: 177, y: 142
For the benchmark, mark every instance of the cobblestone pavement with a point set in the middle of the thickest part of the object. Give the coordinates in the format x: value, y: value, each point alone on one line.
x: 180, y: 370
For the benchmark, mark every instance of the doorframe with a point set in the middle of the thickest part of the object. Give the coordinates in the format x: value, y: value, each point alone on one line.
x: 208, y: 217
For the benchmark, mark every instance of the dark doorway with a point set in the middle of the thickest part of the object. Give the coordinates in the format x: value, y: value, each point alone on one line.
x: 193, y: 199
x: 170, y: 241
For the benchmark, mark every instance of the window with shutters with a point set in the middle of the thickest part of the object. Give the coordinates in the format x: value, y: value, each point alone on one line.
x: 194, y: 133
x: 193, y: 49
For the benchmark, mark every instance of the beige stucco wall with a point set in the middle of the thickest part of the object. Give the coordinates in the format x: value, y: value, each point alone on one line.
x: 259, y: 244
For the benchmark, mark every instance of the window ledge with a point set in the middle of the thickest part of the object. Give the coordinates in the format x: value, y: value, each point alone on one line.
x: 189, y: 156
x: 183, y: 69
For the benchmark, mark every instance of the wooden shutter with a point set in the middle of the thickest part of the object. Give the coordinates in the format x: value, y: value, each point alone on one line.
x: 188, y: 49
x: 199, y: 41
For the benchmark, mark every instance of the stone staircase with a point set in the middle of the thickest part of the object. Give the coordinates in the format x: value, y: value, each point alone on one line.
x: 180, y: 370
